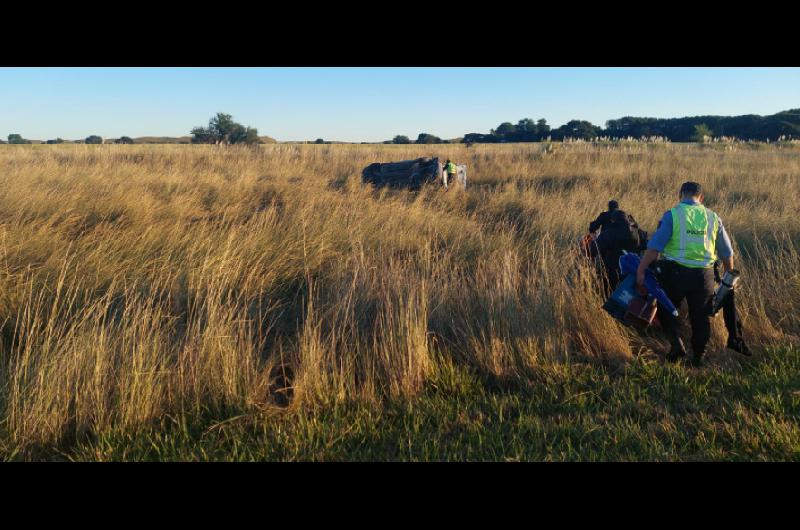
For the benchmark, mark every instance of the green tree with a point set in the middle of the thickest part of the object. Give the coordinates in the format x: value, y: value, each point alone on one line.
x: 471, y: 138
x: 56, y: 141
x: 17, y: 139
x: 251, y: 136
x: 542, y: 128
x: 223, y: 127
x: 239, y: 134
x: 527, y: 130
x: 319, y: 141
x: 201, y: 135
x: 425, y: 138
x: 400, y: 139
x: 125, y: 140
x: 527, y: 125
x: 235, y: 134
x: 505, y: 130
x: 701, y: 133
x: 577, y: 129
x: 94, y: 139
x: 223, y: 130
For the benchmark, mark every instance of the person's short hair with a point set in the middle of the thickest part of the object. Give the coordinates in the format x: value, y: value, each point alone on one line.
x: 613, y: 205
x: 691, y: 188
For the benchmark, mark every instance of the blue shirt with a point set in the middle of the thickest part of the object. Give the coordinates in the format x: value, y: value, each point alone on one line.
x: 663, y: 234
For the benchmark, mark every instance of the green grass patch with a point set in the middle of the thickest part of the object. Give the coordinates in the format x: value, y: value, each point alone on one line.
x: 645, y: 410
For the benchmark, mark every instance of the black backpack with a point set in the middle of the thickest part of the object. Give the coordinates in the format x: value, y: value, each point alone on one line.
x: 640, y: 235
x: 626, y: 230
x: 643, y: 240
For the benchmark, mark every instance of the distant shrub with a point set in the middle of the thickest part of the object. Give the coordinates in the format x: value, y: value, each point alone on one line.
x: 577, y: 129
x: 319, y: 141
x: 472, y: 138
x: 17, y: 139
x: 94, y: 139
x: 425, y: 138
x: 400, y: 139
x: 56, y: 141
x: 125, y: 140
x: 223, y: 130
x: 702, y: 133
x: 243, y: 135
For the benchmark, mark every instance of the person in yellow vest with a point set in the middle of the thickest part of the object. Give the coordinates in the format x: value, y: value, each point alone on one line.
x: 691, y: 238
x: 450, y: 171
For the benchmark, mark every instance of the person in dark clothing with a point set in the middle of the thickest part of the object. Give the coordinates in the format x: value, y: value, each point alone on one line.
x: 618, y: 233
x: 690, y: 236
x: 604, y: 218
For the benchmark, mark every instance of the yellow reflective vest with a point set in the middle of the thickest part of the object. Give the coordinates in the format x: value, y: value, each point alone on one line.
x: 694, y: 236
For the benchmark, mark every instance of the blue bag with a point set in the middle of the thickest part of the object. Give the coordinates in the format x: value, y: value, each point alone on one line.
x: 617, y: 303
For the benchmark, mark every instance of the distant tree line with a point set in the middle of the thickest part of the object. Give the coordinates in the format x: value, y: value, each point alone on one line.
x: 93, y: 139
x: 423, y: 138
x: 747, y: 127
x: 222, y: 129
x: 690, y: 129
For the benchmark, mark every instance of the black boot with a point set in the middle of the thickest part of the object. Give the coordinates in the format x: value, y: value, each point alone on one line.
x: 739, y: 346
x: 696, y: 360
x: 677, y: 351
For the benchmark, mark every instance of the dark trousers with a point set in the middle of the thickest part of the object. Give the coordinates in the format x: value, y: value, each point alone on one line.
x: 611, y: 268
x: 610, y: 245
x: 697, y: 287
x: 732, y: 321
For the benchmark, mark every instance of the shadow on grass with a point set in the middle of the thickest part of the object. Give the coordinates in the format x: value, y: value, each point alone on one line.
x: 577, y: 411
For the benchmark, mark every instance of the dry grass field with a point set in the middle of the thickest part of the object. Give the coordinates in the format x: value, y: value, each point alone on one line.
x: 202, y: 302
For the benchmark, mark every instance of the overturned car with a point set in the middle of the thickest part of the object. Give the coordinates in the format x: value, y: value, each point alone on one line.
x: 412, y: 174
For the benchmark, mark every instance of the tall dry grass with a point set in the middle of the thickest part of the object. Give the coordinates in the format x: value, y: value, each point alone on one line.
x: 139, y: 282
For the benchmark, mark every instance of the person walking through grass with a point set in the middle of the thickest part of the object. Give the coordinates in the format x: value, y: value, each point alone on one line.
x: 450, y: 171
x: 690, y: 237
x: 618, y: 232
x: 604, y: 219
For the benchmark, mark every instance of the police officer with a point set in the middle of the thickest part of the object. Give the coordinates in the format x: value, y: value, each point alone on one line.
x: 450, y: 171
x: 690, y: 236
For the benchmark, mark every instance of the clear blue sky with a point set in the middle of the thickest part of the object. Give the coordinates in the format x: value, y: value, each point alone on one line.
x: 370, y: 104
